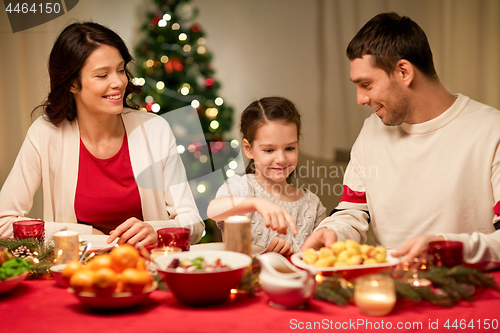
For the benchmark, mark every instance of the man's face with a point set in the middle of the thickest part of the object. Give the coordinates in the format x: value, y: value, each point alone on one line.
x: 382, y: 92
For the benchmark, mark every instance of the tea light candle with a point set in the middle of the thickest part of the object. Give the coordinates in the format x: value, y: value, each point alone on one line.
x: 375, y: 295
x: 164, y: 251
x: 66, y: 246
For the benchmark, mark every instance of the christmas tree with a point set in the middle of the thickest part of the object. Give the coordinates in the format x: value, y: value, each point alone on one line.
x: 175, y: 72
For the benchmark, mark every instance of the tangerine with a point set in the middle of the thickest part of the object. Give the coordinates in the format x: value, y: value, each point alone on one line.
x: 123, y: 257
x: 141, y: 264
x: 100, y: 261
x: 70, y: 269
x: 135, y: 280
x: 105, y: 281
x: 82, y: 280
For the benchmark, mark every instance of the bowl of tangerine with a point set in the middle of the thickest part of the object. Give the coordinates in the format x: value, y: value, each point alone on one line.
x: 108, y: 281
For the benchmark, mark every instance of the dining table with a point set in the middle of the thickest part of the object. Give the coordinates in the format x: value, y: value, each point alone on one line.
x: 39, y: 305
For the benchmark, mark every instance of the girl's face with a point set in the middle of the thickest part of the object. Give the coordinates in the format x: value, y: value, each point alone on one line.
x: 275, y: 152
x: 103, y: 83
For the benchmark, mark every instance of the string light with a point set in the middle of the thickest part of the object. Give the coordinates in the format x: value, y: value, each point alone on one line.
x: 229, y: 173
x: 149, y: 99
x: 162, y: 23
x: 138, y: 81
x: 233, y: 165
x: 211, y: 112
x: 214, y: 124
x: 195, y: 103
x: 164, y: 59
x: 167, y: 17
x: 203, y: 158
x: 155, y: 107
x: 201, y: 188
x: 176, y: 26
x: 219, y: 101
x: 181, y: 149
x: 183, y: 36
x: 201, y: 41
x: 234, y: 143
x: 185, y: 89
x: 201, y: 50
x: 150, y: 63
x: 160, y: 85
x: 191, y: 148
x: 186, y: 48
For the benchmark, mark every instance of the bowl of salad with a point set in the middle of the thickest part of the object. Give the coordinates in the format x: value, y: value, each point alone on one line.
x: 203, y: 278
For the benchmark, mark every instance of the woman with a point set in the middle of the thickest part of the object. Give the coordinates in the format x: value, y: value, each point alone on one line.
x: 110, y: 168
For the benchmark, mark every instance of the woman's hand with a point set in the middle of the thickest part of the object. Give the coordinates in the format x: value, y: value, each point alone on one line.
x: 280, y: 246
x: 132, y: 231
x: 274, y: 216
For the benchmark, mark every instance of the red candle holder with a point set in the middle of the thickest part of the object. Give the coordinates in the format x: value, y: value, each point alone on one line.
x: 29, y: 229
x: 174, y: 237
x: 446, y: 253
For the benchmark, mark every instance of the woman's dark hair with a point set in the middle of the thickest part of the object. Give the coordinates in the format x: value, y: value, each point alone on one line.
x: 69, y: 54
x: 264, y: 110
x: 389, y: 38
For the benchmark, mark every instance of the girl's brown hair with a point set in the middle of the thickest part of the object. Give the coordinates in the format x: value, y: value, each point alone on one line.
x: 265, y: 110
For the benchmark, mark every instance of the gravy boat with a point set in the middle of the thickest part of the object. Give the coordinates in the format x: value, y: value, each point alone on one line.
x: 287, y: 286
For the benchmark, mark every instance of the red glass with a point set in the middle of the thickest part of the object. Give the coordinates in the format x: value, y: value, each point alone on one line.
x: 29, y: 229
x: 446, y: 253
x: 174, y: 237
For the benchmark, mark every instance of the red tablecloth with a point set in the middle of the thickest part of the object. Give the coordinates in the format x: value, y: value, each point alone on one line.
x: 40, y: 306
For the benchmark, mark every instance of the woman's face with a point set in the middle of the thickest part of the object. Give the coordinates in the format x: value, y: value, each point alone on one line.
x: 103, y: 83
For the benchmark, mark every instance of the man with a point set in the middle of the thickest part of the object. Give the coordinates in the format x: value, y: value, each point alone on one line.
x: 427, y: 162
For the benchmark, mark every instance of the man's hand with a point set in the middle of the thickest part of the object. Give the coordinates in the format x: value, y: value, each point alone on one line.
x: 415, y: 246
x: 323, y: 237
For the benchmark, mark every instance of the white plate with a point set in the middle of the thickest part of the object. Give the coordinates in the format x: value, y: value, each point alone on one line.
x: 347, y: 271
x: 99, y: 242
x: 220, y: 246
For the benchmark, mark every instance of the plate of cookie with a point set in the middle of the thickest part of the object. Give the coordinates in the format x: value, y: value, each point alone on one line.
x: 347, y: 259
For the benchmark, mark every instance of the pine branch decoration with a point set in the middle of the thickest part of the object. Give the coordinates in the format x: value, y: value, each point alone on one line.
x: 448, y: 286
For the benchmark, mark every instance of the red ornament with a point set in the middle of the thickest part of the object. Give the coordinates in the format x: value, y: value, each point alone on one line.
x: 174, y: 65
x: 209, y: 82
x: 195, y: 28
x: 156, y: 19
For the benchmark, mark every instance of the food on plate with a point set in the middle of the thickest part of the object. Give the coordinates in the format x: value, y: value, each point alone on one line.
x: 348, y: 253
x: 197, y: 264
x: 122, y: 270
x: 11, y: 266
x: 5, y: 255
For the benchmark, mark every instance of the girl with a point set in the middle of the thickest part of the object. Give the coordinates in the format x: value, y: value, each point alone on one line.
x: 105, y: 168
x: 271, y: 131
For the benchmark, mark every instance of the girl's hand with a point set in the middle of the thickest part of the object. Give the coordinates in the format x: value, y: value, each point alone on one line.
x: 280, y: 246
x: 274, y: 216
x: 132, y: 231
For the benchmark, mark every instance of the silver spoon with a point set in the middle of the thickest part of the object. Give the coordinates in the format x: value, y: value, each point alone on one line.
x: 85, y: 250
x: 147, y: 255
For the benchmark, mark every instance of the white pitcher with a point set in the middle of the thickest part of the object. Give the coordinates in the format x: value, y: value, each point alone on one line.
x: 286, y: 285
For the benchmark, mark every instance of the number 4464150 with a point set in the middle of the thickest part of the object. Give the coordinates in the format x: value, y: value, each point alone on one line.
x: 479, y: 324
x: 25, y: 8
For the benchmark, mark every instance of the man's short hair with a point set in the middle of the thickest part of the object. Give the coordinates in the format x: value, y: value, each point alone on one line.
x: 389, y: 38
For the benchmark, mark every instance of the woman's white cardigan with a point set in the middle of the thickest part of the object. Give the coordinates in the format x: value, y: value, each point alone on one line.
x: 50, y: 154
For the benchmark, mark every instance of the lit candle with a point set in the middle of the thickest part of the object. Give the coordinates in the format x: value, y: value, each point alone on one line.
x: 66, y: 246
x: 164, y: 251
x: 375, y: 295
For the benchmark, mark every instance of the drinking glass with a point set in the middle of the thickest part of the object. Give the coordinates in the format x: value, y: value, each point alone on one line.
x: 29, y: 229
x: 174, y: 237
